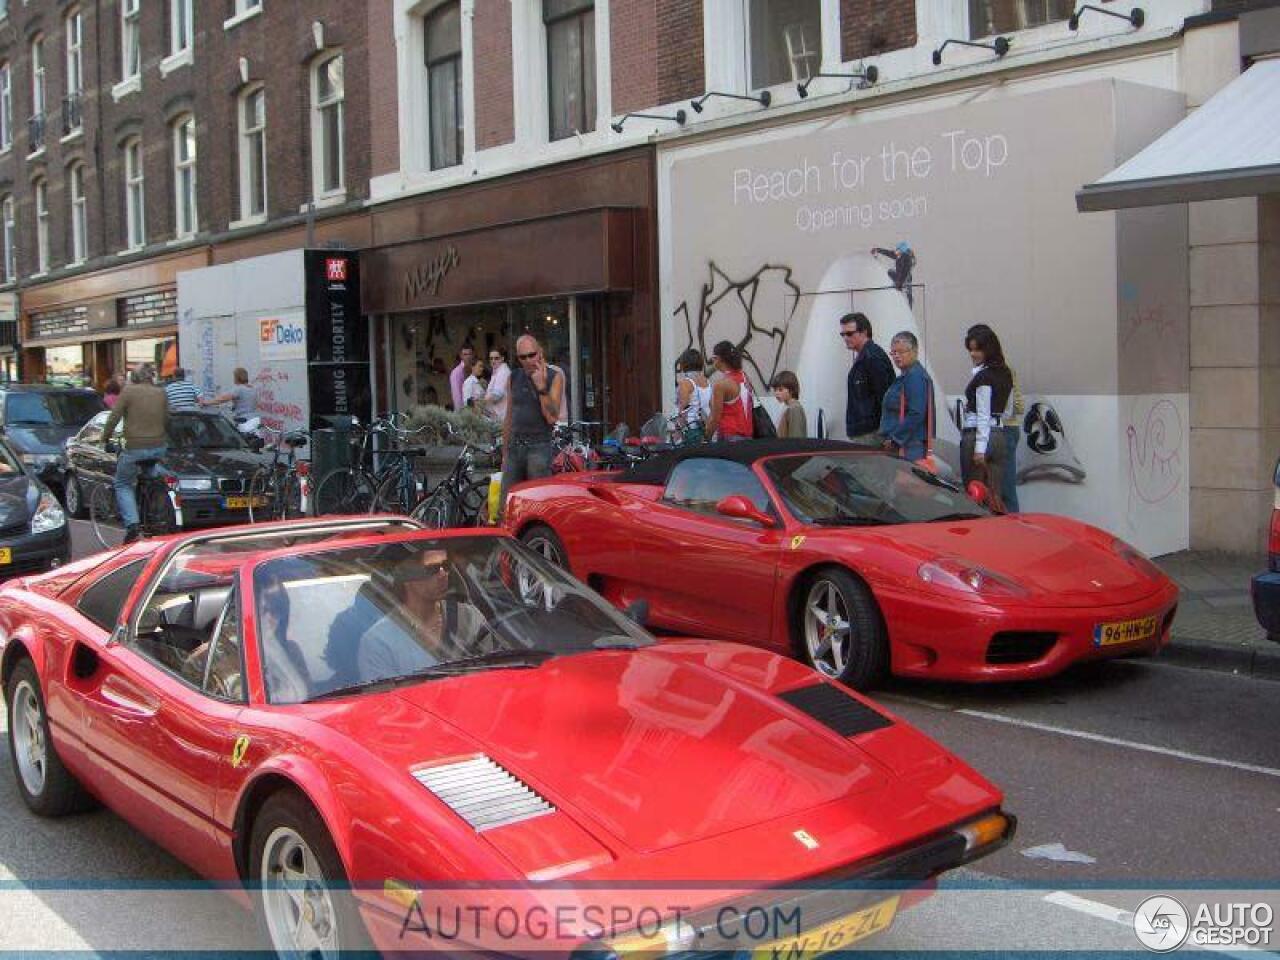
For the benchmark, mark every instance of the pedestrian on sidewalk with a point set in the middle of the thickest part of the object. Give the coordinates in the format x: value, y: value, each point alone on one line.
x: 869, y: 378
x: 732, y: 403
x: 985, y: 397
x: 693, y: 397
x: 458, y: 375
x: 1011, y: 426
x: 180, y: 392
x: 907, y: 420
x: 495, y: 394
x: 532, y: 412
x: 786, y: 390
x: 474, y: 387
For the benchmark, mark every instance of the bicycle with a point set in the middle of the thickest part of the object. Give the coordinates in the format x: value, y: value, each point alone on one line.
x: 398, y: 489
x: 350, y: 490
x: 157, y: 506
x: 281, y: 490
x: 457, y: 500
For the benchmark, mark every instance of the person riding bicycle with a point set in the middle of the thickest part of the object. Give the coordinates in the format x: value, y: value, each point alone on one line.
x: 145, y: 412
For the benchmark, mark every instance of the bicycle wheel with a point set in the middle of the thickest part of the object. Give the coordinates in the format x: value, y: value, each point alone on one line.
x: 156, y: 511
x: 105, y: 516
x: 391, y: 495
x: 290, y: 497
x: 344, y: 491
x: 437, y: 512
x: 262, y: 496
x: 473, y: 508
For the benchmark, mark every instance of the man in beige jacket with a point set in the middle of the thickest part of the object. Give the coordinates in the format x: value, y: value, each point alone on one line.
x: 145, y: 411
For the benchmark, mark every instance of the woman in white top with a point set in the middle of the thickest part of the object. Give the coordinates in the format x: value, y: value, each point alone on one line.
x: 693, y: 396
x: 474, y: 386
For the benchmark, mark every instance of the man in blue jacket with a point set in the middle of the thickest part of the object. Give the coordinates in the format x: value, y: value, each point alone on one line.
x: 905, y: 424
x: 869, y: 378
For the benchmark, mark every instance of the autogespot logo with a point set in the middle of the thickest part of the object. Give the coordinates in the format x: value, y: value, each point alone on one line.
x: 1161, y: 923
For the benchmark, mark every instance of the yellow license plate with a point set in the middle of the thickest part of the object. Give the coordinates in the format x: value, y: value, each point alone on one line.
x: 831, y: 936
x: 6, y: 555
x: 243, y: 503
x: 1124, y: 631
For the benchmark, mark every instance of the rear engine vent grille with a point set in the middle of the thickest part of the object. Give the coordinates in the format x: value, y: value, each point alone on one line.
x: 830, y: 705
x: 483, y: 793
x: 1019, y: 646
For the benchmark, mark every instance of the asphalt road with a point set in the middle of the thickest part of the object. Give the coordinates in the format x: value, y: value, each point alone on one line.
x: 1144, y: 777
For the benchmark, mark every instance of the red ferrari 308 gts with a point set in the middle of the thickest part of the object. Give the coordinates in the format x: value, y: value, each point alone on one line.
x: 859, y: 562
x: 380, y: 735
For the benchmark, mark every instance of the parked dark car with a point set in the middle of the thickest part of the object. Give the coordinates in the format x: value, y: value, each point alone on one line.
x: 209, y: 461
x: 1266, y: 586
x: 33, y: 527
x: 37, y: 420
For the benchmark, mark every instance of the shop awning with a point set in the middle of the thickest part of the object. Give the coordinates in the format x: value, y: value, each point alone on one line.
x: 1229, y: 147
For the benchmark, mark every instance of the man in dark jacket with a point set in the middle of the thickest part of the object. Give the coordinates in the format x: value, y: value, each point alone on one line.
x: 869, y: 378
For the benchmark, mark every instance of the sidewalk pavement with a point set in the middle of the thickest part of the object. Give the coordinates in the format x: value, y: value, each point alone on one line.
x: 1215, y: 628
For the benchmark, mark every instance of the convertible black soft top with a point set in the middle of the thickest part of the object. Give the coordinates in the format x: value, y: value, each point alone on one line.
x: 655, y: 470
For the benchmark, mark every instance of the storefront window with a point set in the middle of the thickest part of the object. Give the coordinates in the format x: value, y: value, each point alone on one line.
x: 66, y: 365
x: 571, y: 66
x: 988, y: 17
x: 146, y: 350
x: 786, y: 41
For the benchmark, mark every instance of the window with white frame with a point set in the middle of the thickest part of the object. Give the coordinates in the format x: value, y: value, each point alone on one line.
x: 7, y: 210
x: 79, y: 213
x: 130, y: 39
x: 181, y: 29
x: 327, y: 132
x: 784, y: 40
x: 989, y: 17
x: 41, y: 190
x: 135, y: 209
x: 184, y: 176
x: 443, y: 27
x: 253, y: 153
x: 38, y: 87
x: 6, y: 106
x: 244, y: 6
x: 571, y: 66
x: 73, y: 31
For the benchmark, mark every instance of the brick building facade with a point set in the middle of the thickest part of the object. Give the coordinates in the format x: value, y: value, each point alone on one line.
x: 109, y: 161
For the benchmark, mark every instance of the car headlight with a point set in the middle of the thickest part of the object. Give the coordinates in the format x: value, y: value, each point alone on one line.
x: 195, y: 484
x: 1136, y: 558
x: 953, y: 573
x: 48, y: 515
x: 38, y: 461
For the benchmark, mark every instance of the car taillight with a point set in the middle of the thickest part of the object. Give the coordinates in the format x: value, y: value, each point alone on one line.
x: 304, y: 468
x: 1273, y: 542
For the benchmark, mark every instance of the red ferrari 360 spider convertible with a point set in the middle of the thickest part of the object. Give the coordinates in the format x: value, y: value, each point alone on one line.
x: 858, y: 561
x: 441, y: 742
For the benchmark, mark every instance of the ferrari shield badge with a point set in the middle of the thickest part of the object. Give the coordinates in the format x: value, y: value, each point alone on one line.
x: 797, y: 542
x: 238, y: 751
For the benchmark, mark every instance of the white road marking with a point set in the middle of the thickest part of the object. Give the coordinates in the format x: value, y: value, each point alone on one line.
x: 1104, y: 911
x: 1094, y: 737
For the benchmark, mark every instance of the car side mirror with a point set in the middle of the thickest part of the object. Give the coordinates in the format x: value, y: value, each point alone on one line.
x: 740, y: 508
x: 637, y: 612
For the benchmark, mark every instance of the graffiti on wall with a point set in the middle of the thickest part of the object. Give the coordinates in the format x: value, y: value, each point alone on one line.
x: 1154, y: 453
x: 275, y: 410
x: 734, y: 307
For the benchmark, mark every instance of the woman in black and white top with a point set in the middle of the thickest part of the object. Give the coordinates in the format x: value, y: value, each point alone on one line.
x: 985, y: 399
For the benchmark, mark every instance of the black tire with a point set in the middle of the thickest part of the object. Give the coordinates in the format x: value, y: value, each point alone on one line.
x: 544, y: 541
x: 156, y: 511
x: 73, y: 497
x: 262, y: 485
x: 474, y: 508
x: 862, y: 660
x: 343, y: 491
x: 287, y: 812
x: 105, y: 516
x: 390, y: 498
x: 57, y: 793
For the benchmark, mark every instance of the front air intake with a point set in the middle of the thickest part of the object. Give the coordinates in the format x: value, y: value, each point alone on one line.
x: 829, y: 705
x: 483, y: 793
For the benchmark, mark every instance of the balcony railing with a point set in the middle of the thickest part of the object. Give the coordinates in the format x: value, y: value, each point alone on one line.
x: 35, y: 132
x: 72, y: 117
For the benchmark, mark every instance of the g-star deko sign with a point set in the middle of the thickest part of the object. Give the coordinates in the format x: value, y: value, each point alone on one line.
x: 427, y: 277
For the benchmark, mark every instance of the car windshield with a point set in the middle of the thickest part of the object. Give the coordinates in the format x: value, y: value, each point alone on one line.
x: 862, y: 489
x: 204, y: 432
x: 353, y: 620
x: 51, y: 409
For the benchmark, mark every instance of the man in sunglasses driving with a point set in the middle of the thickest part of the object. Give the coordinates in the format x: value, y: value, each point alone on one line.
x: 535, y: 392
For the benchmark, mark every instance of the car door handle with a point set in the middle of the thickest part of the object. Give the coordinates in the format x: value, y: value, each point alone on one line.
x: 125, y: 697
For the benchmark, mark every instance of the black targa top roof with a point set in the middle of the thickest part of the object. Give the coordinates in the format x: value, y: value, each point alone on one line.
x: 657, y: 468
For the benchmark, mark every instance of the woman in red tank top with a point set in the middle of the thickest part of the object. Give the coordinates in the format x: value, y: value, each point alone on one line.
x: 731, y: 399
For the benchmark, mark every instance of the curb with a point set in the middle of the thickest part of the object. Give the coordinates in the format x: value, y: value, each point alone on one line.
x: 1260, y: 664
